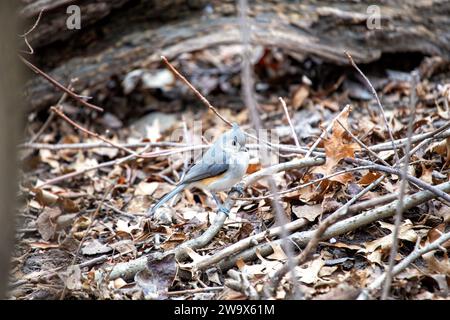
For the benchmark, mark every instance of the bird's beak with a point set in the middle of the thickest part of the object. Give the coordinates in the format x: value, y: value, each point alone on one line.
x: 244, y: 149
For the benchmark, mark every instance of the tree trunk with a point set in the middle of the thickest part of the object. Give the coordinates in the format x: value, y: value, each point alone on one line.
x: 120, y: 36
x: 10, y: 113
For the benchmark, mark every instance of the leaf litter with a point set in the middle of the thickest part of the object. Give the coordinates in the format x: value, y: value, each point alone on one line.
x: 53, y: 218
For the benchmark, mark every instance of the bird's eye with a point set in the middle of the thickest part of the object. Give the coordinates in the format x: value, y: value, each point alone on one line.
x: 234, y: 143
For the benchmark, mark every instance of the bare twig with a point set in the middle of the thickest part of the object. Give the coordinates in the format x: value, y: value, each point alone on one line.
x: 305, y: 255
x: 304, y: 185
x: 96, y: 135
x: 326, y: 131
x: 60, y: 86
x: 440, y: 133
x: 339, y: 228
x: 128, y: 269
x: 418, y: 182
x: 247, y: 83
x: 374, y: 93
x: 286, y: 112
x: 197, y: 93
x: 399, y: 209
x: 414, y: 255
x: 105, y: 164
x: 207, y: 103
x: 50, y: 117
x: 24, y: 36
x: 361, y: 144
x: 97, y: 145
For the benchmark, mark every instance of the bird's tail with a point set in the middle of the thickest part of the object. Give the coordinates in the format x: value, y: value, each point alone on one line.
x: 166, y: 198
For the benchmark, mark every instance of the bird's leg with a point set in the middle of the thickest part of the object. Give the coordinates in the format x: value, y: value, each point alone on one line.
x: 220, y: 204
x: 239, y: 188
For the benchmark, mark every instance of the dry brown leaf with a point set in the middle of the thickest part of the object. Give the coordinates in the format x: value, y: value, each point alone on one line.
x: 310, y: 274
x: 427, y: 174
x: 278, y: 253
x: 46, y: 223
x: 174, y: 240
x: 124, y: 246
x: 368, y: 178
x: 299, y: 96
x: 146, y: 188
x: 119, y: 283
x: 437, y: 266
x: 337, y: 147
x: 253, y: 167
x: 94, y: 247
x: 309, y: 212
x: 159, y: 275
x: 378, y: 248
x: 44, y: 197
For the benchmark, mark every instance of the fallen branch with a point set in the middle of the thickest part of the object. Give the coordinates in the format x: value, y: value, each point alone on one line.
x: 403, y: 185
x: 96, y: 167
x: 271, y: 286
x: 60, y: 86
x: 128, y: 269
x: 274, y: 232
x: 420, y: 183
x: 88, y: 132
x: 339, y: 228
x: 417, y: 253
x: 380, y: 106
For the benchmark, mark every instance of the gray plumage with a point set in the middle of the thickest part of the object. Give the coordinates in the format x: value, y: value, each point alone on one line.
x: 227, y: 160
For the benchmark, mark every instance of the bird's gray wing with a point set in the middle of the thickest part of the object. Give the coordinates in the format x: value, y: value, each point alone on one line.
x: 207, y: 167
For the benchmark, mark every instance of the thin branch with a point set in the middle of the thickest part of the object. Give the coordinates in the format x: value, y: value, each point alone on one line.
x: 197, y: 93
x: 326, y: 131
x: 207, y: 103
x: 306, y: 254
x: 286, y: 112
x: 302, y: 238
x: 247, y: 84
x: 403, y: 183
x: 374, y: 93
x: 96, y: 135
x: 285, y: 193
x: 413, y: 256
x: 96, y: 167
x: 418, y: 182
x: 50, y: 117
x: 60, y: 86
x: 361, y: 144
x: 24, y: 36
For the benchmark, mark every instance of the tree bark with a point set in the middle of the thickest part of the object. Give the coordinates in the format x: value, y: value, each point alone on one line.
x: 137, y: 35
x: 10, y: 113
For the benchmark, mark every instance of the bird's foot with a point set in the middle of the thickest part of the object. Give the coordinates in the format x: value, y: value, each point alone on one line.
x: 224, y: 210
x: 239, y: 188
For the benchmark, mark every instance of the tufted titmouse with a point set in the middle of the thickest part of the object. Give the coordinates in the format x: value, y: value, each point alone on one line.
x: 220, y: 168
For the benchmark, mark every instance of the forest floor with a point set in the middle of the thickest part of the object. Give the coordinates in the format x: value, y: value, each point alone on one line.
x: 83, y: 207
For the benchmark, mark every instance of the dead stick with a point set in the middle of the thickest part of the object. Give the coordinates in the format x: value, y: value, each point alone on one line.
x: 403, y: 185
x: 337, y: 229
x: 380, y: 106
x: 60, y: 86
x: 272, y: 285
x: 96, y: 135
x: 413, y: 256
